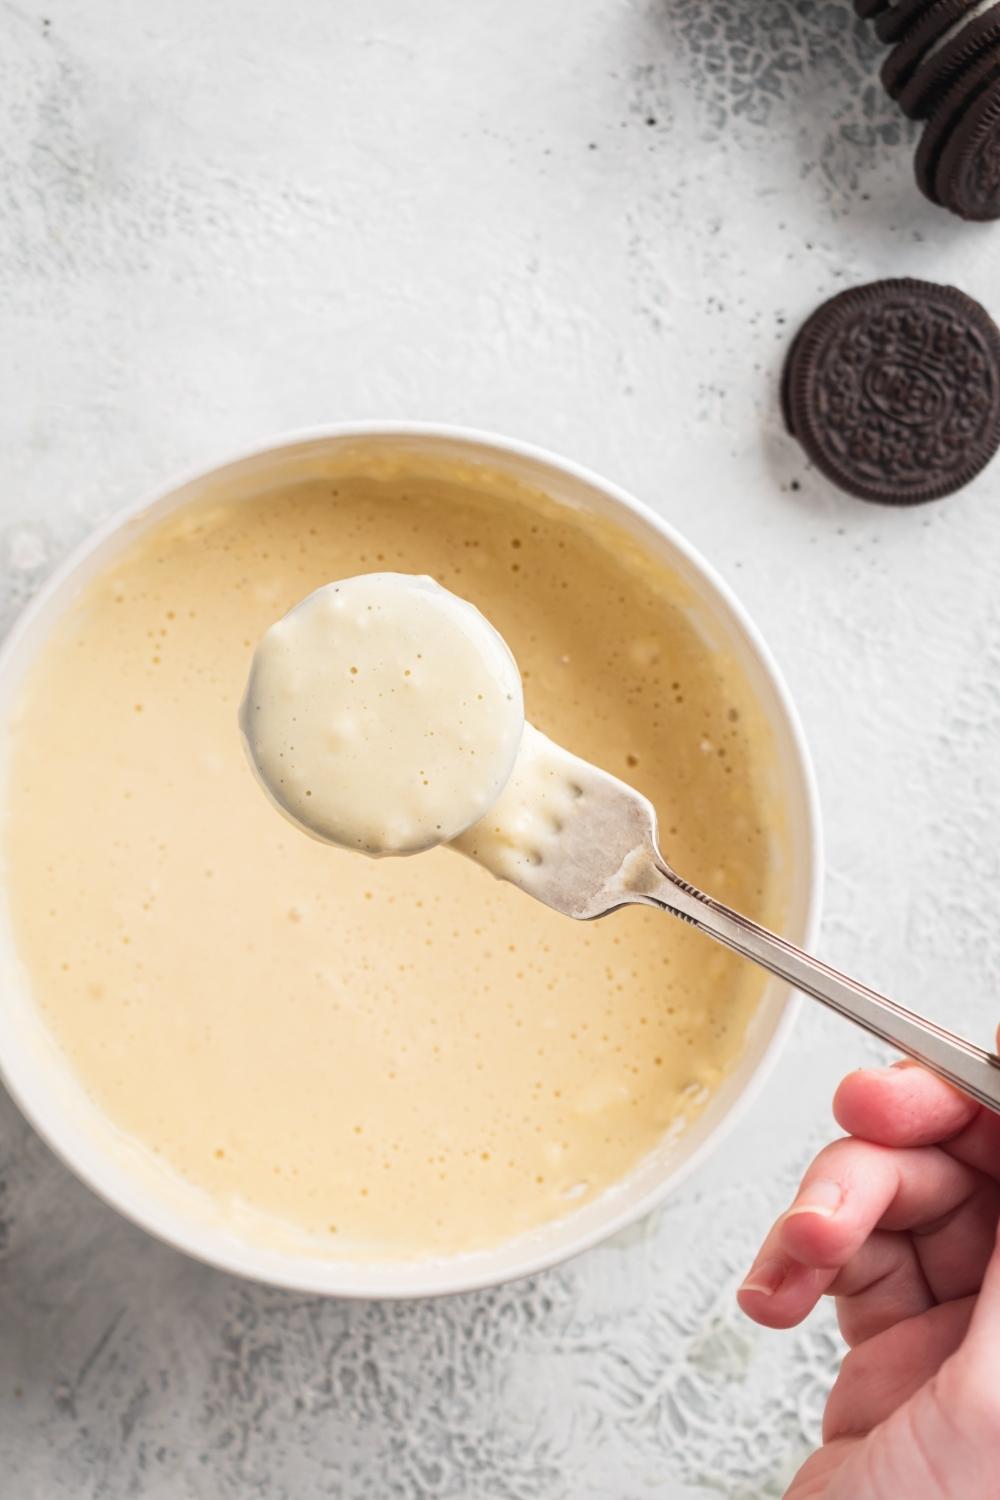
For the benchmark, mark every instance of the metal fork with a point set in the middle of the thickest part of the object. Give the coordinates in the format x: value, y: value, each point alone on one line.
x: 599, y: 851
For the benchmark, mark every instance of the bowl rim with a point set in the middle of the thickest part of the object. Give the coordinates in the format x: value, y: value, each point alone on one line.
x: 236, y: 1257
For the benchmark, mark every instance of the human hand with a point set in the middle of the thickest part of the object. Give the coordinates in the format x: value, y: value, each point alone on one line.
x: 899, y: 1222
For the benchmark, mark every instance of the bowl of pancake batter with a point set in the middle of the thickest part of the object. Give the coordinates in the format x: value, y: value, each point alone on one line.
x: 394, y: 1076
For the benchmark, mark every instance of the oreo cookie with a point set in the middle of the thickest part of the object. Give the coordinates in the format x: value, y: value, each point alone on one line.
x: 893, y: 22
x: 893, y: 390
x: 949, y: 60
x: 948, y: 114
x: 925, y: 36
x: 868, y: 9
x: 967, y: 179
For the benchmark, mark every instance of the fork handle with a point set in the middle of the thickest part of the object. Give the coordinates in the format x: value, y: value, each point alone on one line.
x: 960, y: 1063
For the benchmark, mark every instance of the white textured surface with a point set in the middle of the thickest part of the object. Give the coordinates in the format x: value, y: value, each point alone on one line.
x: 593, y: 224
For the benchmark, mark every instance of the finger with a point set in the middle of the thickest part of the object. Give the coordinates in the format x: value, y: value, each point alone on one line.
x: 906, y: 1106
x: 850, y: 1189
x: 901, y: 1106
x: 853, y: 1187
x: 880, y: 1286
x: 896, y: 1276
x: 882, y: 1373
x: 978, y: 1145
x: 778, y: 1292
x: 955, y: 1252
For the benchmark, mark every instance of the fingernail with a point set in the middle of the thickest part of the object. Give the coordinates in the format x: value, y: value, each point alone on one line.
x: 765, y: 1278
x: 820, y: 1196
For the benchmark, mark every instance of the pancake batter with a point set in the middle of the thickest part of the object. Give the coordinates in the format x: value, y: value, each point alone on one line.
x: 395, y: 1057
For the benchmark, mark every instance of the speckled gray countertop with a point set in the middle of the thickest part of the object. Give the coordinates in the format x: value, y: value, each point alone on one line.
x: 592, y: 224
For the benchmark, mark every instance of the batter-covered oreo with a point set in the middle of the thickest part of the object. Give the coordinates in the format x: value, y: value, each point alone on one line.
x: 893, y: 390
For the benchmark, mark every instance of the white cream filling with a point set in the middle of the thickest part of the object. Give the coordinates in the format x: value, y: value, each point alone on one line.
x: 957, y: 28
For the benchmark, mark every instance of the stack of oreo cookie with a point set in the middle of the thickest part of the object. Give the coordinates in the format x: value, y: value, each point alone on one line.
x: 944, y: 68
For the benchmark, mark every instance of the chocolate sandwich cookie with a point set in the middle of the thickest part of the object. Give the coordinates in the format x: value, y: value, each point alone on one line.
x: 893, y: 390
x: 784, y: 390
x: 983, y: 75
x: 967, y: 179
x: 869, y: 9
x: 892, y: 23
x: 936, y: 22
x: 825, y: 310
x: 947, y: 61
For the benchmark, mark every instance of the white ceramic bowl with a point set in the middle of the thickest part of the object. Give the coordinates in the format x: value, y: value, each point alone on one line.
x: 41, y: 1081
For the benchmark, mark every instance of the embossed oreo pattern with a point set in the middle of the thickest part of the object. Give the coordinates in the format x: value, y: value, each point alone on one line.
x: 893, y: 389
